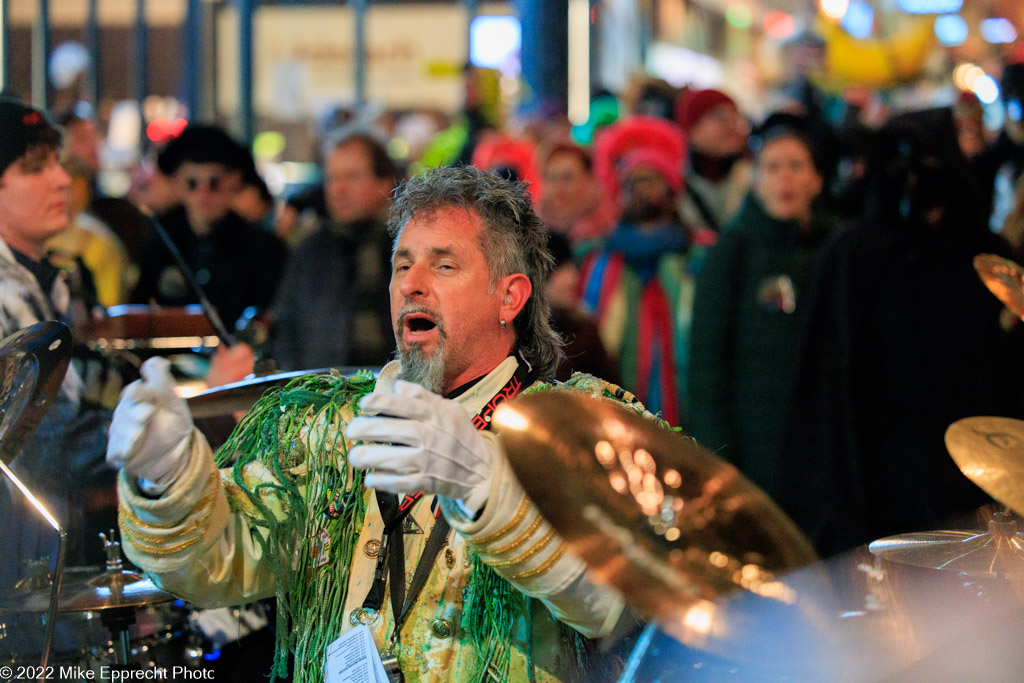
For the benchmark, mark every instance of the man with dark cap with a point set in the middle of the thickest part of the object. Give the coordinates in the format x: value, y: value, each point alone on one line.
x: 237, y: 264
x: 66, y: 454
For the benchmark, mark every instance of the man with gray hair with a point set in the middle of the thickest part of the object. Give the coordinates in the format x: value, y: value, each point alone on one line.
x: 309, y: 509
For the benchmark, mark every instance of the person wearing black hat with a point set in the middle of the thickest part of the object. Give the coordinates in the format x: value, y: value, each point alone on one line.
x: 66, y: 453
x: 237, y: 264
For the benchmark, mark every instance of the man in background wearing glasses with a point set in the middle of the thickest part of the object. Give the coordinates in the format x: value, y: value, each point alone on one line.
x: 237, y: 264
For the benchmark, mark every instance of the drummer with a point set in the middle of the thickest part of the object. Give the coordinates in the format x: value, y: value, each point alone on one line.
x: 65, y: 457
x: 471, y: 323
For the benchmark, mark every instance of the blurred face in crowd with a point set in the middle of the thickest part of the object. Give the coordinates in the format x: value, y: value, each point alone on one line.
x: 647, y: 198
x: 970, y: 128
x: 251, y: 205
x: 82, y: 143
x: 207, y: 190
x: 567, y: 187
x: 560, y: 289
x: 721, y: 132
x: 444, y: 310
x: 33, y: 200
x: 153, y: 191
x: 787, y: 181
x: 352, y: 191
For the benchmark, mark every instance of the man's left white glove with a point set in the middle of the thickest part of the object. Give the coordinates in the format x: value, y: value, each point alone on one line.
x: 151, y: 430
x: 421, y: 442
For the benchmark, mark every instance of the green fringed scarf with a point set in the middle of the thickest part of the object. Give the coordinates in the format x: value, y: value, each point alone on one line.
x: 292, y: 432
x: 295, y: 432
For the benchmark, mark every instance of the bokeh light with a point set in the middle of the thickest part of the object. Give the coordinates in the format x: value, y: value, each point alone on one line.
x: 738, y: 15
x: 951, y: 29
x: 859, y: 19
x: 779, y: 25
x: 998, y: 30
x: 986, y: 88
x: 834, y: 9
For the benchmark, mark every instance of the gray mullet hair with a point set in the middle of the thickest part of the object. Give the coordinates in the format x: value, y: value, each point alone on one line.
x: 513, y: 241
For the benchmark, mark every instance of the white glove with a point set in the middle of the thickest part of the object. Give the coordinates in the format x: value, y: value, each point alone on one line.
x: 151, y: 430
x: 423, y: 443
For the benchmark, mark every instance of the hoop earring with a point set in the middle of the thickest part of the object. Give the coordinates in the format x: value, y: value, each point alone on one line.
x: 502, y: 323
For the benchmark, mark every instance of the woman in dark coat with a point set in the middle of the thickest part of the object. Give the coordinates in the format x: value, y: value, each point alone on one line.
x: 748, y: 313
x: 902, y: 340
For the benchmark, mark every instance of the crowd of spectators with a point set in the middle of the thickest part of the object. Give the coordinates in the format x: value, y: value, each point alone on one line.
x: 796, y: 293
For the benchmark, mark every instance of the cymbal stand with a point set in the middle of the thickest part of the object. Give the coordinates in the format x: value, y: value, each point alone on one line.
x: 118, y: 619
x: 643, y: 644
x: 58, y: 574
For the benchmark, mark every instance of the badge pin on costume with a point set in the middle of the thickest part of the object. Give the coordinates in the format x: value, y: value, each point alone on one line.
x: 321, y: 548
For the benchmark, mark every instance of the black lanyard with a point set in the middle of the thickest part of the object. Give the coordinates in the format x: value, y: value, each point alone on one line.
x: 393, y: 515
x: 391, y: 556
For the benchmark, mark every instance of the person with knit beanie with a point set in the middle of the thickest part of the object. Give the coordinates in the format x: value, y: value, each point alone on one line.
x: 718, y: 174
x: 638, y: 285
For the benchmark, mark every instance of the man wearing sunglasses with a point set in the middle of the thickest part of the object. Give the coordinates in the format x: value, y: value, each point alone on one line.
x: 237, y: 264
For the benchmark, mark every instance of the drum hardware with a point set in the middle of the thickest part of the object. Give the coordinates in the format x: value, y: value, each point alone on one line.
x: 115, y: 595
x: 204, y: 302
x: 997, y: 553
x: 130, y: 327
x: 114, y: 588
x: 731, y: 592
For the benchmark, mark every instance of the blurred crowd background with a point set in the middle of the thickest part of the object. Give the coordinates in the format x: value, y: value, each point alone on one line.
x: 763, y: 216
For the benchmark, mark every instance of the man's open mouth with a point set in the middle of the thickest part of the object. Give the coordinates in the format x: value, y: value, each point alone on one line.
x: 417, y: 324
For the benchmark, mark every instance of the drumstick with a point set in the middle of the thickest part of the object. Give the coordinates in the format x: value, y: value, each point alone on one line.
x: 211, y: 313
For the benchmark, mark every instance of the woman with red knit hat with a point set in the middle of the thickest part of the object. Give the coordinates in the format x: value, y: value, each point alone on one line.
x: 718, y: 174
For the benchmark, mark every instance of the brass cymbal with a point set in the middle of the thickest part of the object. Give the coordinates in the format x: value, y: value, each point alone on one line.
x: 33, y: 362
x: 990, y: 452
x: 661, y: 519
x: 86, y: 594
x: 1004, y: 278
x: 1000, y: 552
x: 240, y: 396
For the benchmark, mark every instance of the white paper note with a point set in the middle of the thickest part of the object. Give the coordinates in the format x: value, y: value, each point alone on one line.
x: 353, y: 658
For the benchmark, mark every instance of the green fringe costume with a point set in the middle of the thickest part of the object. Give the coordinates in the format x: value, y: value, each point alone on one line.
x: 293, y: 433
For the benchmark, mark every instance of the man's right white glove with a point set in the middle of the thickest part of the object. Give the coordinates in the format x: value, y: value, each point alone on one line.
x: 152, y: 429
